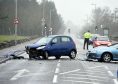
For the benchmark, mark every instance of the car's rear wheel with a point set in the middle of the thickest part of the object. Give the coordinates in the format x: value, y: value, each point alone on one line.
x: 72, y: 54
x: 46, y: 55
x: 106, y: 57
x: 57, y: 57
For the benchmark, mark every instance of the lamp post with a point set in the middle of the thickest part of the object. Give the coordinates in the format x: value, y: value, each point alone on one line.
x: 16, y: 21
x: 43, y: 19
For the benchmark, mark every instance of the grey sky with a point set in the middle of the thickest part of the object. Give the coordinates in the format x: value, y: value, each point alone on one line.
x: 78, y: 10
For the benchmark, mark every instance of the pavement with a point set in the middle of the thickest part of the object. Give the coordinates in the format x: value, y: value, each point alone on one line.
x: 8, y: 53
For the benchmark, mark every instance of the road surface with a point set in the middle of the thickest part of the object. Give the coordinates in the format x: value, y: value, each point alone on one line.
x: 62, y: 71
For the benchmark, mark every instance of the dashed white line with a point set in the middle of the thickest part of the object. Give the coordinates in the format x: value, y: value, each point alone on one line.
x: 57, y: 70
x: 55, y: 79
x: 58, y: 65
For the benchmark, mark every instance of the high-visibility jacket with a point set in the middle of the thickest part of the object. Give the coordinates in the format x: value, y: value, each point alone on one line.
x: 87, y: 35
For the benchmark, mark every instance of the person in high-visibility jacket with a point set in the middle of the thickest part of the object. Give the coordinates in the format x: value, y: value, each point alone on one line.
x: 87, y: 36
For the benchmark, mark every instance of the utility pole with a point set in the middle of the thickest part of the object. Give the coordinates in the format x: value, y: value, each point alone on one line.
x: 43, y: 19
x: 16, y: 16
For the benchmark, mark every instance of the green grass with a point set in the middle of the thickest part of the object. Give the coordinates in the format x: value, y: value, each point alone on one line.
x: 4, y: 38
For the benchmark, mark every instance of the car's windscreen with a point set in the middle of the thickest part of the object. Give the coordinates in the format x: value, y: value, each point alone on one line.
x: 43, y: 41
x: 103, y: 39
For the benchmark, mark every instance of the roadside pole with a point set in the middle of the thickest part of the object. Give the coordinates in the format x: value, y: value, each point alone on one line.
x: 16, y: 21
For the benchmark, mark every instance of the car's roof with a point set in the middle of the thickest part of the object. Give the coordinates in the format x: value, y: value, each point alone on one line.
x: 57, y: 35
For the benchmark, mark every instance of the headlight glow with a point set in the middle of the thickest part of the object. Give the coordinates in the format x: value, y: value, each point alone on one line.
x: 40, y: 47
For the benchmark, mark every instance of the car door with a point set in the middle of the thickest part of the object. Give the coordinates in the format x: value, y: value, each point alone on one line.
x: 115, y: 52
x: 65, y: 45
x: 55, y: 46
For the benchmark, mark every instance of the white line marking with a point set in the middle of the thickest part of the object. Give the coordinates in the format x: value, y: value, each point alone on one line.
x: 58, y: 65
x: 89, y: 76
x: 106, y: 68
x: 59, y: 61
x: 55, y: 79
x: 110, y: 73
x: 57, y: 70
x: 80, y: 81
x: 81, y: 78
x: 95, y: 67
x: 19, y: 74
x: 70, y: 71
x: 115, y: 81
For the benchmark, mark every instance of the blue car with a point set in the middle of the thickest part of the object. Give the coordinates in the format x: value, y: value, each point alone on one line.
x: 104, y: 53
x: 54, y: 45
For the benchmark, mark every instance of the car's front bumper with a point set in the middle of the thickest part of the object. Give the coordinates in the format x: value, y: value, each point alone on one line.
x: 91, y: 55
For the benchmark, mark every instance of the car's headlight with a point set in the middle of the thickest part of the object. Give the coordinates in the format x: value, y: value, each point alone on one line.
x: 40, y: 47
x: 98, y: 43
x: 94, y: 51
x: 109, y: 44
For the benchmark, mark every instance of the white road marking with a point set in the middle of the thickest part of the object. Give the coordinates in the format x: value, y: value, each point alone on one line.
x: 115, y: 81
x: 19, y: 74
x: 106, y: 68
x: 95, y: 67
x: 110, y: 73
x: 55, y: 79
x: 70, y: 71
x: 82, y: 78
x: 57, y: 70
x: 58, y: 65
x: 80, y: 81
x: 59, y: 61
x: 82, y: 75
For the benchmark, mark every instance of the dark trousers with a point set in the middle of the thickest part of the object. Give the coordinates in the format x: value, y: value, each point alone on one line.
x: 86, y: 42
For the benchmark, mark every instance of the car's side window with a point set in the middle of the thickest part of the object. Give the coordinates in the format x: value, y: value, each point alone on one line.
x: 55, y: 40
x: 65, y: 39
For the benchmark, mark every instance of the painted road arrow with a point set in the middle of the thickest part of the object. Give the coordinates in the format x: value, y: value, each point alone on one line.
x: 19, y: 74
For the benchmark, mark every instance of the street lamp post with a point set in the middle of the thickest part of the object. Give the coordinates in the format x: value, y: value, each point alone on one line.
x: 43, y: 19
x: 16, y: 25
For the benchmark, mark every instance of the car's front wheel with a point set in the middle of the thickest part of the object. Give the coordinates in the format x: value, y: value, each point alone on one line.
x: 72, y: 54
x: 46, y: 55
x: 106, y: 57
